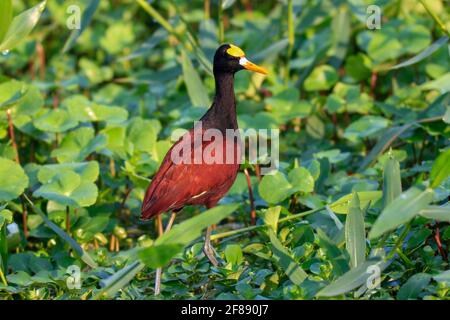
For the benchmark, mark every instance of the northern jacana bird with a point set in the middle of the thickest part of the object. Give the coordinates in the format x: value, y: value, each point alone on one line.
x: 178, y: 184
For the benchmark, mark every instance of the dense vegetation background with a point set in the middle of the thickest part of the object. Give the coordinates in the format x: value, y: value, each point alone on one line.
x: 362, y: 190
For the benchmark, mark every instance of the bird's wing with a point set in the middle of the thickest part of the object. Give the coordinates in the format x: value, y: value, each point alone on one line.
x: 175, y: 184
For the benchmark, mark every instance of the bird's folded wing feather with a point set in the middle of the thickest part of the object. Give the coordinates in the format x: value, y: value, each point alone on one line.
x: 174, y: 185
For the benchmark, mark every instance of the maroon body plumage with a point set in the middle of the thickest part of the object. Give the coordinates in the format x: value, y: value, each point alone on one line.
x: 176, y: 185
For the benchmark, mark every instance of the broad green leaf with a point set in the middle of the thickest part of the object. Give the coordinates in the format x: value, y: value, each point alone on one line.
x: 6, y: 15
x: 333, y: 155
x: 412, y: 288
x: 424, y: 54
x: 405, y: 207
x: 358, y: 66
x: 55, y: 120
x: 118, y: 36
x: 301, y: 180
x: 11, y: 92
x: 314, y: 169
x: 384, y: 46
x: 88, y: 171
x: 69, y: 184
x: 7, y: 215
x: 393, y: 41
x: 182, y: 234
x: 83, y: 110
x: 233, y: 254
x: 271, y: 52
x: 119, y: 279
x: 352, y: 279
x: 143, y: 133
x: 446, y: 118
x: 286, y: 105
x: 75, y: 246
x: 441, y: 169
x: 355, y: 234
x: 270, y: 217
x: 21, y: 26
x: 160, y: 255
x: 196, y: 90
x: 30, y: 103
x: 85, y: 20
x: 341, y: 31
x: 443, y: 277
x: 383, y: 144
x: 365, y: 197
x: 284, y: 259
x: 442, y: 84
x: 321, y: 78
x: 335, y: 255
x: 94, y: 73
x: 274, y: 188
x: 365, y: 127
x: 78, y: 144
x: 392, y: 182
x: 67, y: 188
x: 14, y: 180
x: 439, y: 213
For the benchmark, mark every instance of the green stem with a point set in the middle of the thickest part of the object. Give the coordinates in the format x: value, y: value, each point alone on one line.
x: 435, y: 17
x: 247, y: 229
x: 2, y: 277
x: 183, y: 39
x: 155, y: 14
x: 383, y: 240
x: 220, y: 22
x: 291, y: 37
x: 404, y: 257
x: 399, y: 241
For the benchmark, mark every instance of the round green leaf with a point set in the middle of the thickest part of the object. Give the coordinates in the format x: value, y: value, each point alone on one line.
x: 275, y: 187
x: 55, y: 120
x: 322, y: 78
x: 14, y: 180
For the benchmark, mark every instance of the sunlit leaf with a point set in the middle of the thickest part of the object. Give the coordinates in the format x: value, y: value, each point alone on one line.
x: 14, y: 180
x: 196, y: 90
x: 424, y: 54
x: 21, y: 26
x: 401, y: 210
x: 392, y: 183
x: 284, y: 259
x: 441, y: 169
x: 352, y: 279
x: 355, y: 234
x: 342, y: 204
x: 6, y: 15
x: 414, y: 285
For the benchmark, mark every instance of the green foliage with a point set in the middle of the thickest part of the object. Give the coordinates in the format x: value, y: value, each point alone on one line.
x: 20, y: 26
x: 87, y: 116
x: 14, y: 180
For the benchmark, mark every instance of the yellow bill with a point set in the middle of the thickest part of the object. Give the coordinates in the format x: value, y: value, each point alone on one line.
x: 251, y: 66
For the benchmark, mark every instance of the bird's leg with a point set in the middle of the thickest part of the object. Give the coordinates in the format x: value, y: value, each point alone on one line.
x: 208, y: 249
x: 159, y: 270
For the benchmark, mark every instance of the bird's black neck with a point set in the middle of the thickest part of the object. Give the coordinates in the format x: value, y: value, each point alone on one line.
x: 222, y: 114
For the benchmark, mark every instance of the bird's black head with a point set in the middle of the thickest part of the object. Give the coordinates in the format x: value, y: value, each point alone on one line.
x: 230, y: 59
